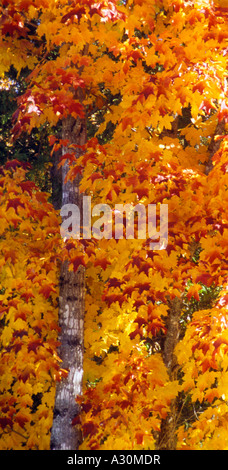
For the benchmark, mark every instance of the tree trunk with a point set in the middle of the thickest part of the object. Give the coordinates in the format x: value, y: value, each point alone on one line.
x: 167, y: 435
x: 64, y: 436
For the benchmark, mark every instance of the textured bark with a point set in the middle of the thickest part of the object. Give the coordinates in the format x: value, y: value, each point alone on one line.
x: 64, y: 436
x: 167, y: 435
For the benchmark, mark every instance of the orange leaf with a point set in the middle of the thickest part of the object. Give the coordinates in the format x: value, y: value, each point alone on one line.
x: 194, y: 292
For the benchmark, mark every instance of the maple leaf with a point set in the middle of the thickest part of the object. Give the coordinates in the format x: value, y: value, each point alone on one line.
x: 138, y: 304
x: 194, y: 292
x: 90, y: 428
x: 33, y: 345
x: 103, y: 262
x: 78, y: 12
x: 25, y: 374
x: 52, y: 139
x: 77, y: 261
x: 27, y: 295
x: 21, y: 419
x: 139, y: 436
x: 127, y: 121
x: 27, y: 186
x: 13, y: 164
x: 46, y: 290
x: 207, y: 106
x: 20, y: 333
x: 15, y: 203
x: 114, y: 282
x: 95, y: 176
x: 4, y: 422
x: 142, y: 192
x: 205, y: 279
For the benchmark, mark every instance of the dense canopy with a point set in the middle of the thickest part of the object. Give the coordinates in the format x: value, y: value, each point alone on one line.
x: 149, y: 78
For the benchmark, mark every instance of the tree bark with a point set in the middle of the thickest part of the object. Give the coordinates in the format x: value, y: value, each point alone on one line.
x: 64, y: 436
x: 167, y: 436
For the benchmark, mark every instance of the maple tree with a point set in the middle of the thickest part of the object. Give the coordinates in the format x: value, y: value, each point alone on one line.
x: 155, y: 337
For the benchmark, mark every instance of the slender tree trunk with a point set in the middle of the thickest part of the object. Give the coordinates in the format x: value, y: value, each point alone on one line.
x: 64, y: 436
x: 167, y: 435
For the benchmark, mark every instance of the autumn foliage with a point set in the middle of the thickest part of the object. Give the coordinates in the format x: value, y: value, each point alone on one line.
x: 156, y: 337
x: 29, y: 363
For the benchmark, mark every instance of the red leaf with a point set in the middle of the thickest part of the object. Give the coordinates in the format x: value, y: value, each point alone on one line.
x: 20, y: 333
x: 76, y: 108
x: 200, y: 86
x: 70, y: 245
x: 77, y: 261
x: 73, y: 172
x: 34, y: 345
x: 220, y: 341
x: 86, y: 407
x: 15, y: 163
x: 205, y: 278
x: 89, y: 429
x: 128, y: 290
x: 110, y: 299
x: 52, y: 139
x: 139, y: 437
x: 76, y: 420
x: 145, y: 268
x: 143, y: 287
x: 25, y: 374
x: 207, y: 106
x: 138, y: 331
x: 124, y: 404
x: 114, y: 282
x: 27, y: 295
x: 142, y: 192
x: 148, y: 91
x: 95, y: 176
x: 41, y: 197
x: 15, y: 203
x: 27, y: 186
x: 6, y: 422
x: 135, y: 55
x: 141, y: 321
x: 78, y: 12
x: 103, y: 262
x: 21, y: 419
x: 46, y: 290
x: 138, y: 303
